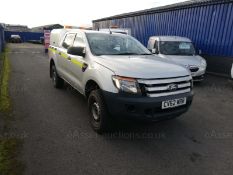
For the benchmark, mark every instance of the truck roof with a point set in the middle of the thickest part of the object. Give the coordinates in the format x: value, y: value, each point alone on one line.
x: 92, y: 31
x: 171, y: 38
x: 58, y: 34
x: 64, y: 31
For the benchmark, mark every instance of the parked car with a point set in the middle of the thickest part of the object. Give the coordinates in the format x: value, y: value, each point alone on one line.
x: 42, y: 40
x: 119, y: 77
x: 232, y: 71
x: 15, y: 39
x: 181, y: 51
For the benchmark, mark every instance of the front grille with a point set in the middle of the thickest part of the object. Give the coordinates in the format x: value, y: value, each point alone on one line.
x: 165, y: 87
x: 193, y: 69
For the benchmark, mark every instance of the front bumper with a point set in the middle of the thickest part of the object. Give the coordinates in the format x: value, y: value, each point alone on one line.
x: 144, y: 108
x: 198, y: 76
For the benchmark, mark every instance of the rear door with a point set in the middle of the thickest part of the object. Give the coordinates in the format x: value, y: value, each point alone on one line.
x: 76, y: 63
x: 63, y: 58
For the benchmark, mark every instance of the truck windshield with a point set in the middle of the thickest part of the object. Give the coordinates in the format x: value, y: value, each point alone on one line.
x: 115, y: 44
x: 176, y: 48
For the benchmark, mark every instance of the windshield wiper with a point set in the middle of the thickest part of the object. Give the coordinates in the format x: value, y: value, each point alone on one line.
x: 145, y: 54
x: 188, y: 54
x: 126, y: 53
x: 130, y: 53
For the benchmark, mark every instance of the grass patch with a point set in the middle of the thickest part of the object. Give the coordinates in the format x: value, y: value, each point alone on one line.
x: 5, y: 105
x: 9, y: 150
x: 9, y: 146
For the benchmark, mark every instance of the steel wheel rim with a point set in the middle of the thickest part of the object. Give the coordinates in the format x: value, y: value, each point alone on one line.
x: 54, y: 77
x: 95, y: 109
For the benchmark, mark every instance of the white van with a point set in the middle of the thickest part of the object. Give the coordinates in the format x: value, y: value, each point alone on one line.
x: 179, y: 50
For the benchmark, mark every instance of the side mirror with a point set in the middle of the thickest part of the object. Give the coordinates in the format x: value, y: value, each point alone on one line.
x: 154, y: 51
x: 199, y: 52
x: 78, y: 51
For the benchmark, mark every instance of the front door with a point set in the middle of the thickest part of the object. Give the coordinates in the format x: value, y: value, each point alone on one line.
x: 76, y: 64
x: 63, y: 58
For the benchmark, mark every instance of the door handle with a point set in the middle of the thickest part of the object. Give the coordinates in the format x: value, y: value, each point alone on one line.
x: 84, y: 67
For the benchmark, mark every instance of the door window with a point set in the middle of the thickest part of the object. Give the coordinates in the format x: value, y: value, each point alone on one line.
x: 68, y: 41
x: 79, y: 42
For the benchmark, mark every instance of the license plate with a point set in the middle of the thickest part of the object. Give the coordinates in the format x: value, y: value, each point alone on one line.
x: 173, y: 103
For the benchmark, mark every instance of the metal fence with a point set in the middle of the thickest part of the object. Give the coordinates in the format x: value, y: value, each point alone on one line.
x: 208, y: 23
x: 2, y: 39
x: 25, y: 36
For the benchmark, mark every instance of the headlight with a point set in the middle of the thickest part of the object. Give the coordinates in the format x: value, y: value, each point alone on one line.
x: 125, y: 84
x: 203, y: 64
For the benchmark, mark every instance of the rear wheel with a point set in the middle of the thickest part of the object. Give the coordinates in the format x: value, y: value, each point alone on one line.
x: 99, y: 117
x: 58, y: 82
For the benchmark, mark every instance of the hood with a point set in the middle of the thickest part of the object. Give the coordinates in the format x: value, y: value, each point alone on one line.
x: 149, y: 66
x: 194, y: 60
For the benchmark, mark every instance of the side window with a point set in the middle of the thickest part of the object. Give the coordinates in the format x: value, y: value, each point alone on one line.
x: 79, y: 42
x: 68, y: 41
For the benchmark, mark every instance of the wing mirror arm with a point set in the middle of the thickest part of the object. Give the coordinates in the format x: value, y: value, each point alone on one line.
x: 154, y: 51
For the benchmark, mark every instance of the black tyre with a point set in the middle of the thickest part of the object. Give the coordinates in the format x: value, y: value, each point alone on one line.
x: 58, y: 82
x: 99, y: 117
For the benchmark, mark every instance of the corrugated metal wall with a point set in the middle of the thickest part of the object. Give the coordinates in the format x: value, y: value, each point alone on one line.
x: 210, y: 26
x: 25, y: 36
x: 2, y: 40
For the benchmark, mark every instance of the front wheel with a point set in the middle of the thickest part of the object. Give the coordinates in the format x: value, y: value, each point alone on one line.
x: 58, y: 82
x: 99, y: 117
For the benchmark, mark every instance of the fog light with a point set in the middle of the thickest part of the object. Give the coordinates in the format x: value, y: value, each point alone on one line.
x: 130, y: 108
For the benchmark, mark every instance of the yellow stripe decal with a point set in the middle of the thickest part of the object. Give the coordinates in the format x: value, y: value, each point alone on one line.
x: 64, y: 55
x: 52, y: 50
x: 80, y: 64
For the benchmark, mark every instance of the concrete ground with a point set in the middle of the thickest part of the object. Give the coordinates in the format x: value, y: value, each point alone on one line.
x: 59, y: 140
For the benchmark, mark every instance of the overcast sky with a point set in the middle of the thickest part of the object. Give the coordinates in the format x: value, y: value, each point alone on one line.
x: 69, y: 12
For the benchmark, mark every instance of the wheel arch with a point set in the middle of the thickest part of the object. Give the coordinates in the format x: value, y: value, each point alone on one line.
x: 52, y: 62
x: 90, y: 86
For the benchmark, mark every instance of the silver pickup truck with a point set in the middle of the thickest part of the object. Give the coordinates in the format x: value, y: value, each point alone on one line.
x: 119, y: 77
